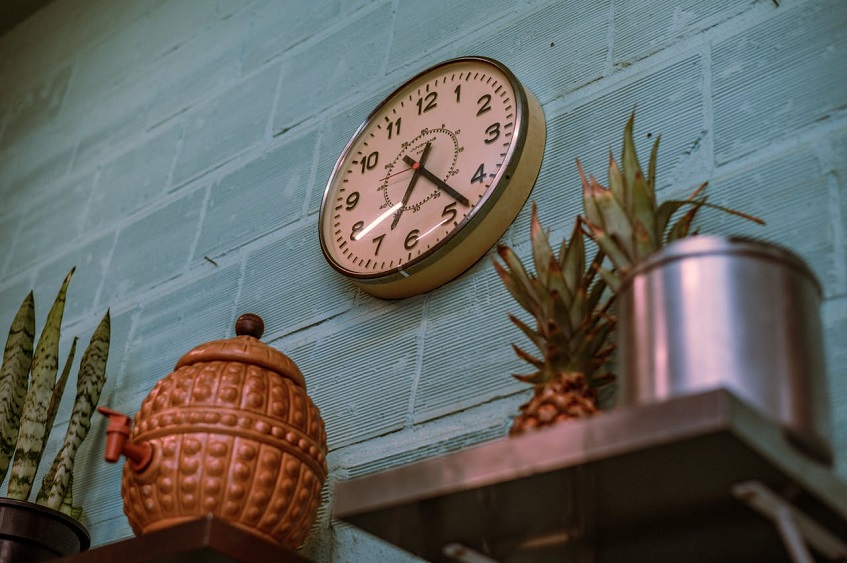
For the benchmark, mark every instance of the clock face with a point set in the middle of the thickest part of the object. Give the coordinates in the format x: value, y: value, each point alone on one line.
x: 412, y: 201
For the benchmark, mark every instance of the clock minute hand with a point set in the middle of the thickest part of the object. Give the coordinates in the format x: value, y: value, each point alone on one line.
x: 441, y: 184
x: 418, y: 169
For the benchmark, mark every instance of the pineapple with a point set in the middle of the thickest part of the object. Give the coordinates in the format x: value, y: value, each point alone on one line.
x: 571, y: 331
x: 624, y: 219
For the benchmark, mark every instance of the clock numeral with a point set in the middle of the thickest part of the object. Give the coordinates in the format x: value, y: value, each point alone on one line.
x: 458, y: 92
x: 479, y: 175
x: 378, y: 242
x: 352, y: 201
x: 394, y: 127
x: 369, y: 162
x: 357, y: 227
x: 493, y: 132
x: 449, y: 213
x: 485, y: 102
x: 430, y: 102
x: 411, y: 239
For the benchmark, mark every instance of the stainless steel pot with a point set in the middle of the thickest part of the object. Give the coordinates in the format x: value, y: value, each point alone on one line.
x: 709, y: 312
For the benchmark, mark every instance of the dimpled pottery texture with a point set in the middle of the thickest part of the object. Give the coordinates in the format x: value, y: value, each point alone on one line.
x: 233, y: 434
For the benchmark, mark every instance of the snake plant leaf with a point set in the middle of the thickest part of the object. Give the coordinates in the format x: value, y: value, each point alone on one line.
x: 59, y: 389
x: 92, y: 377
x: 14, y: 378
x: 45, y: 366
x: 68, y: 507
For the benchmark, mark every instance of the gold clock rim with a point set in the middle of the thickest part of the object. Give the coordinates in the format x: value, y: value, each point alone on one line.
x: 441, y: 261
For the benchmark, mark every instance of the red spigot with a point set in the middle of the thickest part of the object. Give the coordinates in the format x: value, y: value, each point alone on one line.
x: 117, y: 441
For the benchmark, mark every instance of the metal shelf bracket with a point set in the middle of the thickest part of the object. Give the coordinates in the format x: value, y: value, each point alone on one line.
x: 796, y: 529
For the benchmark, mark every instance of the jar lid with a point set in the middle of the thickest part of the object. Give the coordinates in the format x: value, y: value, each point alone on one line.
x: 245, y: 348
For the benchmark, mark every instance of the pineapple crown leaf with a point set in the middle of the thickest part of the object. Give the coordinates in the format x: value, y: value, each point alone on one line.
x: 542, y: 253
x: 572, y: 259
x: 682, y: 227
x: 532, y: 335
x: 535, y: 378
x: 517, y: 281
x: 527, y: 357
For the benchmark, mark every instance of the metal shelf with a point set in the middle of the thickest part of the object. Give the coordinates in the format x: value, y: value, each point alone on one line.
x: 643, y: 483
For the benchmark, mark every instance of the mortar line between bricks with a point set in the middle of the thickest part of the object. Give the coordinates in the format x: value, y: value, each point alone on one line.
x: 609, y: 66
x: 684, y: 48
x: 708, y: 105
x: 421, y: 343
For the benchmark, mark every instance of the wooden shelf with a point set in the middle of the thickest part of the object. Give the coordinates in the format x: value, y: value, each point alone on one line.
x: 650, y: 483
x: 205, y: 539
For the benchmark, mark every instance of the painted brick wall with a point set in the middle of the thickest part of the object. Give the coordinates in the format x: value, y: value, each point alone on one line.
x: 176, y: 153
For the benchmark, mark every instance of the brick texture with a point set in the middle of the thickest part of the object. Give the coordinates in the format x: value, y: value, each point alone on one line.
x: 177, y: 157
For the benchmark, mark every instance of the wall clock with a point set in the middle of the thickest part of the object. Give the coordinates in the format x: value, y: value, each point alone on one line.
x: 432, y: 178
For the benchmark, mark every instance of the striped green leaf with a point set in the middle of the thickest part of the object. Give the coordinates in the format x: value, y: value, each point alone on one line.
x: 14, y: 379
x: 92, y: 377
x: 45, y: 366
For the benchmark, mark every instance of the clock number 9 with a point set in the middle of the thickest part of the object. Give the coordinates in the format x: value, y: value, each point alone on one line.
x: 352, y: 201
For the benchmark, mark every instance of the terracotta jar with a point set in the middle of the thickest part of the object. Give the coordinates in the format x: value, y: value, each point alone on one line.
x: 231, y: 432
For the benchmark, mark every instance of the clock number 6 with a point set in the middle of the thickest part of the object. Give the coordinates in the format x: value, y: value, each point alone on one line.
x: 411, y: 239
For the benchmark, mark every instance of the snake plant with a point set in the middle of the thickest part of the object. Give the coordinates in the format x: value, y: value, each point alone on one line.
x: 29, y: 399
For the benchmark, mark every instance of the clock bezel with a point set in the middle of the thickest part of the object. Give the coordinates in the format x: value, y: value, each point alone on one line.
x: 522, y: 163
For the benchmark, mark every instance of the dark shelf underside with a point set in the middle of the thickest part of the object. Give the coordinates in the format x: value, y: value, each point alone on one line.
x: 649, y: 483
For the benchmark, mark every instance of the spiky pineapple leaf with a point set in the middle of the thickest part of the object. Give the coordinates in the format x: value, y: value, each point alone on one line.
x: 527, y: 357
x: 517, y: 281
x: 630, y: 165
x: 532, y: 335
x: 542, y: 253
x: 573, y: 260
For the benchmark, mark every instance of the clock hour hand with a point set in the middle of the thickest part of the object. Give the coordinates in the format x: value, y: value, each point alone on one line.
x: 418, y: 169
x: 441, y: 184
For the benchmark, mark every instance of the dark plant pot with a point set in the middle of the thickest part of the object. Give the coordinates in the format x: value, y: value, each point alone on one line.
x: 31, y: 532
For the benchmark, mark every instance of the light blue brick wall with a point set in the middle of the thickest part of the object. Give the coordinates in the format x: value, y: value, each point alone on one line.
x: 177, y: 156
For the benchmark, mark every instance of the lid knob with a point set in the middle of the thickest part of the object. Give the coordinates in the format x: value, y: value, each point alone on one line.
x: 250, y: 324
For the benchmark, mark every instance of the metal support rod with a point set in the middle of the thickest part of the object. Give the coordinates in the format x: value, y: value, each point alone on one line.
x: 464, y: 554
x: 796, y: 529
x: 791, y: 536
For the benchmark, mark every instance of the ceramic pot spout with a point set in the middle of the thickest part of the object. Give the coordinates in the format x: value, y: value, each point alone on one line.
x: 140, y: 455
